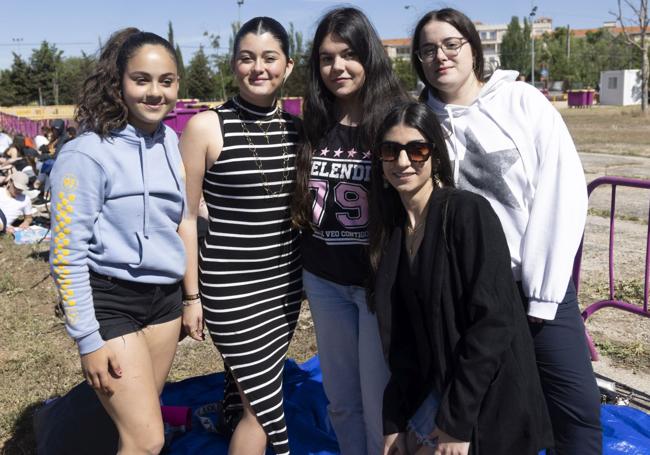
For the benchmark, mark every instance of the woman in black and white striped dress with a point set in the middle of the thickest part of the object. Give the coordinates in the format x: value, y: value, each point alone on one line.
x: 242, y: 155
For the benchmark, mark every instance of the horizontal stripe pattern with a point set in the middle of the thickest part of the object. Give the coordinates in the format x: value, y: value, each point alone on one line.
x: 249, y: 263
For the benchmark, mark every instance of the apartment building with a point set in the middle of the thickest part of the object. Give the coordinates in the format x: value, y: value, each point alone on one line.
x: 491, y: 38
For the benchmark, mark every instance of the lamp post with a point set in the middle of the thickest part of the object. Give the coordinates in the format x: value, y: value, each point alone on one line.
x: 239, y: 4
x: 532, y: 45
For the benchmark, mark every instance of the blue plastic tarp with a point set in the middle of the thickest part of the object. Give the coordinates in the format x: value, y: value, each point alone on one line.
x: 626, y: 431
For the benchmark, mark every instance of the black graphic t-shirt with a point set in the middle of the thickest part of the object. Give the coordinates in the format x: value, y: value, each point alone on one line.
x: 339, y: 184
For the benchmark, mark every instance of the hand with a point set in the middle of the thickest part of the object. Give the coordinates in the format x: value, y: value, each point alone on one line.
x: 395, y: 444
x: 193, y: 321
x: 10, y: 229
x: 100, y: 367
x: 535, y: 320
x: 448, y: 445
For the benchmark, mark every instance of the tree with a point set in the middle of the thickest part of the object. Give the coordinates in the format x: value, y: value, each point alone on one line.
x: 182, y: 86
x: 44, y: 64
x: 200, y: 80
x: 297, y: 83
x: 21, y: 82
x: 405, y: 73
x: 640, y: 11
x: 515, y: 47
x: 73, y: 71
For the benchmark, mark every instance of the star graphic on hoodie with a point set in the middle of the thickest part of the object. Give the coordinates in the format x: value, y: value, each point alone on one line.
x: 367, y: 155
x: 482, y: 172
x: 324, y: 151
x: 337, y: 153
x: 351, y: 153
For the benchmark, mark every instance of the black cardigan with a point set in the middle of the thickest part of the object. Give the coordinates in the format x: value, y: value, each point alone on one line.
x: 471, y: 341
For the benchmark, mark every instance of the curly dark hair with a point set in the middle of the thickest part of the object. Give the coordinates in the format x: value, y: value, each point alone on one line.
x: 101, y: 108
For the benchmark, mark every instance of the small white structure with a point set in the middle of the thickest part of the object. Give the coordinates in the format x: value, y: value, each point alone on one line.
x: 620, y: 88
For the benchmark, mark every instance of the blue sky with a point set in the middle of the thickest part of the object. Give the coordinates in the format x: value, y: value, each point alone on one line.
x: 76, y: 25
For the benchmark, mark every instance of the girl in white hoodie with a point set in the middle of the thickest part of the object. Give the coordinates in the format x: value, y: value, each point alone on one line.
x: 509, y: 144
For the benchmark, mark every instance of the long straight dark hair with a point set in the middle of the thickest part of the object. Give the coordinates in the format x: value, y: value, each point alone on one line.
x: 380, y: 90
x: 386, y: 208
x: 465, y: 27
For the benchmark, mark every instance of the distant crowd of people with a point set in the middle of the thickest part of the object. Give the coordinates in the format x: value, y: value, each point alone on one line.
x: 25, y: 165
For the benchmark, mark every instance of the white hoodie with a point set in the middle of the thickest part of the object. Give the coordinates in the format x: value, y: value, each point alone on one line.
x: 512, y: 146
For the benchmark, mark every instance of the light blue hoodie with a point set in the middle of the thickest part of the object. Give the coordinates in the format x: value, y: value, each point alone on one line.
x: 116, y: 206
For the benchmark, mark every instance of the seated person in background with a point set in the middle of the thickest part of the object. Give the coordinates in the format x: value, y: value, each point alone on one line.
x: 58, y: 136
x: 13, y: 203
x: 5, y: 141
x: 14, y: 152
x: 42, y: 139
x: 72, y: 132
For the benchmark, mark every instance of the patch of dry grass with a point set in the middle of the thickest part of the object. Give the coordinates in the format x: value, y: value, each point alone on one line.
x: 39, y: 360
x: 609, y: 129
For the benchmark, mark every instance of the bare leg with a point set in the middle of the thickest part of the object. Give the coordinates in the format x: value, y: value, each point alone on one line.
x: 249, y: 437
x: 162, y: 340
x: 134, y: 405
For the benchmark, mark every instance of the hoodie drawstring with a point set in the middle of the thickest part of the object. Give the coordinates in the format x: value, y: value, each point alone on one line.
x: 143, y: 165
x: 454, y: 144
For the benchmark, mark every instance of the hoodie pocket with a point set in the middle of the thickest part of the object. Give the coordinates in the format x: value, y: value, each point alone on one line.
x: 161, y: 251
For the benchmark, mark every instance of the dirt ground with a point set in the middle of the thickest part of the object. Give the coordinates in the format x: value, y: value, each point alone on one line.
x: 38, y: 360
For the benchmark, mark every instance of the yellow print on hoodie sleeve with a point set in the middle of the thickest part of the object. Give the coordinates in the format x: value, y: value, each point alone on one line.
x: 64, y: 213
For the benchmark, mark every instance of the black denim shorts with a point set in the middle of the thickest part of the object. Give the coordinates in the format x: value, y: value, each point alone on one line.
x: 123, y: 307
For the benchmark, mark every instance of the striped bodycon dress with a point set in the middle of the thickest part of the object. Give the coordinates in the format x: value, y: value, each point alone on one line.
x: 250, y: 265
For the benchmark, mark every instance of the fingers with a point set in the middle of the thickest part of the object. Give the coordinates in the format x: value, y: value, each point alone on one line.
x: 114, y: 365
x: 193, y: 324
x: 101, y: 382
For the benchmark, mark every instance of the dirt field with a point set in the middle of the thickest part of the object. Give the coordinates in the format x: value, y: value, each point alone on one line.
x: 38, y: 360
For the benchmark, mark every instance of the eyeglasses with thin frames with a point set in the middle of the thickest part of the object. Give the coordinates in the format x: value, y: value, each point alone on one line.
x: 450, y: 47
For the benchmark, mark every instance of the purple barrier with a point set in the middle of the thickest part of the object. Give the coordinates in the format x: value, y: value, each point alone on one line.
x: 612, y: 301
x: 21, y: 125
x: 292, y: 106
x: 580, y: 98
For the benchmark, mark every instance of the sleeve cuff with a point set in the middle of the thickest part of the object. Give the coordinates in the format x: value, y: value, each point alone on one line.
x: 90, y: 343
x: 542, y: 309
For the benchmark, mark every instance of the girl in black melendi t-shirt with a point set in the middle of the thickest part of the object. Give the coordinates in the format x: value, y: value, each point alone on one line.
x: 350, y: 87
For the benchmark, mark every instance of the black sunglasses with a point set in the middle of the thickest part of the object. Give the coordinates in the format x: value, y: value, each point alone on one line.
x: 417, y: 152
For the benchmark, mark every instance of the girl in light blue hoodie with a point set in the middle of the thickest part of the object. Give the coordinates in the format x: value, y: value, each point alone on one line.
x: 117, y: 200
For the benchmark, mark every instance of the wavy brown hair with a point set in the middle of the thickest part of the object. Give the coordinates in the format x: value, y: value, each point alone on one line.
x: 101, y: 108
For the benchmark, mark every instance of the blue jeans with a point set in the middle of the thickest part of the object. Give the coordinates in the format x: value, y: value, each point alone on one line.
x: 354, y: 370
x: 423, y: 422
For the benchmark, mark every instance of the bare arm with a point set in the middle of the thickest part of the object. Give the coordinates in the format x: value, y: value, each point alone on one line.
x: 201, y: 144
x: 27, y: 221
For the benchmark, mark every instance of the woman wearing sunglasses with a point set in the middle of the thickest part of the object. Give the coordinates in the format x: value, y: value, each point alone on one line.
x: 509, y: 144
x: 452, y: 324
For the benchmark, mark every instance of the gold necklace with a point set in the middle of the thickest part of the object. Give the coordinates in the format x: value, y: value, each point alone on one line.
x: 253, y: 148
x: 413, y: 237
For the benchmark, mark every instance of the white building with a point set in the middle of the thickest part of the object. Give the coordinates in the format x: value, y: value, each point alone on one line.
x: 620, y: 88
x: 491, y: 38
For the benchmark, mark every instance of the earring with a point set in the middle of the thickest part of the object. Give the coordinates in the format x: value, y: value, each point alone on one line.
x: 436, y: 181
x: 385, y: 183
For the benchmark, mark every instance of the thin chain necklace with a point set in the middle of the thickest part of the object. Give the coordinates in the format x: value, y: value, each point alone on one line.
x: 413, y: 233
x: 258, y: 162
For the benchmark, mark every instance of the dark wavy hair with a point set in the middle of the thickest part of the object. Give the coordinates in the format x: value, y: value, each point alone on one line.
x: 464, y: 26
x: 101, y: 108
x: 386, y: 208
x: 380, y: 90
x: 260, y: 25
